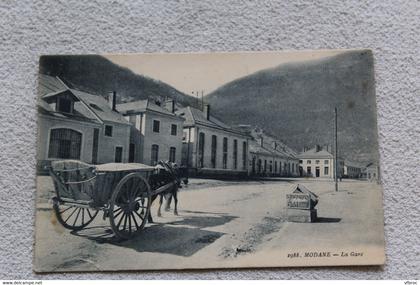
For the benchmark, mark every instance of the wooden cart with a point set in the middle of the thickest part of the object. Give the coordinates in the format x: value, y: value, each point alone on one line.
x: 120, y: 190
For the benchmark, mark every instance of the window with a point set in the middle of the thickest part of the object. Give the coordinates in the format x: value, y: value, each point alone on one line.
x: 244, y: 152
x: 293, y: 167
x: 131, y: 152
x: 326, y: 170
x: 156, y: 126
x: 118, y: 153
x: 259, y: 165
x: 108, y: 130
x: 271, y: 166
x: 225, y: 152
x: 64, y: 105
x: 95, y: 145
x: 213, y: 150
x: 172, y: 152
x: 201, y: 139
x: 265, y: 165
x: 155, y: 155
x: 317, y: 161
x: 173, y: 130
x: 308, y: 162
x: 65, y: 143
x: 308, y: 170
x: 300, y: 161
x: 235, y: 154
x: 275, y: 166
x: 326, y: 161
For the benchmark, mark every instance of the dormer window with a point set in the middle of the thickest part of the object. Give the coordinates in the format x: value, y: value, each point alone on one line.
x: 64, y: 105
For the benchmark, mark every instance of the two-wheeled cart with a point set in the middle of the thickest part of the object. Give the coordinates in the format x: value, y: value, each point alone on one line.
x: 121, y: 191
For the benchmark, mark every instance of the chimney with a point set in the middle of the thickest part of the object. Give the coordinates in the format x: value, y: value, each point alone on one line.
x: 260, y: 141
x: 274, y: 145
x: 112, y: 100
x: 206, y: 111
x: 170, y: 105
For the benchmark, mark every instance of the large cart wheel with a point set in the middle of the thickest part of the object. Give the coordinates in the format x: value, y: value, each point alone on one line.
x: 73, y: 217
x: 130, y: 206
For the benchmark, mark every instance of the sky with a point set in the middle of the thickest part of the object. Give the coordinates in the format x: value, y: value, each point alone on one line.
x: 205, y: 72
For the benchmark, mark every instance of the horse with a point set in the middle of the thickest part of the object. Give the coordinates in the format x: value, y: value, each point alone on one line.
x: 166, y: 172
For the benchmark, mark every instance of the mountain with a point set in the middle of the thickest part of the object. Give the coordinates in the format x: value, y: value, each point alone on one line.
x: 96, y: 74
x: 296, y: 101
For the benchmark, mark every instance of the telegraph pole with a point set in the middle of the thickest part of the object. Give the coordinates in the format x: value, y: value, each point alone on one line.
x: 335, y: 151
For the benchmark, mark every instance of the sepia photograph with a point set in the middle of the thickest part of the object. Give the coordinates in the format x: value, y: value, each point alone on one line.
x: 173, y: 161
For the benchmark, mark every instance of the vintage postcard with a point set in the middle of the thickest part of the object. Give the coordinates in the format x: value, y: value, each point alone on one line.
x: 207, y: 160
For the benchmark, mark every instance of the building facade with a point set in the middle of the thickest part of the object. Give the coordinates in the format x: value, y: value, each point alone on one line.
x: 371, y: 172
x: 319, y: 162
x: 77, y: 125
x: 156, y: 131
x: 268, y: 156
x: 352, y: 170
x: 211, y: 147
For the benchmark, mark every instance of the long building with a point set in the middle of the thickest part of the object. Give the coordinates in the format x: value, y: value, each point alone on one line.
x: 268, y: 156
x: 211, y: 147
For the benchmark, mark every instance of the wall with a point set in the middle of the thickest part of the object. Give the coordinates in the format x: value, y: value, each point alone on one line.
x: 389, y: 27
x: 220, y: 134
x: 107, y: 145
x: 164, y: 138
x: 46, y: 123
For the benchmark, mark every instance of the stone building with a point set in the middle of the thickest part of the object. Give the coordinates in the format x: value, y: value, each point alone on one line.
x: 156, y: 131
x: 268, y: 156
x: 210, y: 146
x: 319, y: 162
x: 73, y: 124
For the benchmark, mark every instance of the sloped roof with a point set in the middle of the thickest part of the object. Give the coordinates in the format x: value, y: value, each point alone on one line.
x: 49, y: 84
x: 90, y: 108
x: 143, y: 106
x: 195, y: 116
x: 312, y: 153
x: 100, y: 107
x: 255, y: 147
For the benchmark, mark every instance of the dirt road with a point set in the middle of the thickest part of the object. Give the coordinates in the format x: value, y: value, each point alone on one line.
x: 235, y: 225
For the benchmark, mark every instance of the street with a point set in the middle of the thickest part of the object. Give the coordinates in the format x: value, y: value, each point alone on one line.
x: 224, y: 224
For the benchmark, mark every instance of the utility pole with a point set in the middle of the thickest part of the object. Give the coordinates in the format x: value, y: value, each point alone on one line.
x: 202, y: 100
x: 335, y: 151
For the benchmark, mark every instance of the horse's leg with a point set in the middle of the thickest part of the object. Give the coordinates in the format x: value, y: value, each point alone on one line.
x: 175, y: 194
x: 168, y: 203
x: 159, y: 213
x: 149, y: 218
